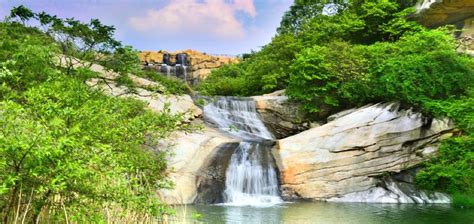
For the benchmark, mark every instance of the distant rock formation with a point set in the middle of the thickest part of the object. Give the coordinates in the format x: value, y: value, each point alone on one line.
x: 201, y: 63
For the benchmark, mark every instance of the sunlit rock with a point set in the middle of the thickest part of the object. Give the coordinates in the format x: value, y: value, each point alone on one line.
x: 348, y: 154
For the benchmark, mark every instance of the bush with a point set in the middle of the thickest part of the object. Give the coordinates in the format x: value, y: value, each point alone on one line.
x: 323, y: 77
x: 70, y: 153
x: 417, y: 68
x: 68, y: 147
x: 225, y: 81
x: 463, y: 200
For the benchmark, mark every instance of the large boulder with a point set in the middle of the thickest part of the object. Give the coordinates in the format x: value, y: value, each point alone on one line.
x: 191, y: 161
x: 283, y: 117
x: 350, y: 153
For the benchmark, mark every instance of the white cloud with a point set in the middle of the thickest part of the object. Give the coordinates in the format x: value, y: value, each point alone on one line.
x: 192, y: 17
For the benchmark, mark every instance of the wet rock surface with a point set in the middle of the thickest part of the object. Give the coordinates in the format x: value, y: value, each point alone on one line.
x: 211, y: 177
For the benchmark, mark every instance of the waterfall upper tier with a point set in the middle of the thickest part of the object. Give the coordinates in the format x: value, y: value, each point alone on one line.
x: 237, y: 116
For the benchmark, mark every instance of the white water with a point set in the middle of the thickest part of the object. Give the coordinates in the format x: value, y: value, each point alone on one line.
x: 251, y: 179
x: 185, y: 73
x: 425, y: 4
x: 237, y: 117
x: 248, y: 180
x: 168, y: 69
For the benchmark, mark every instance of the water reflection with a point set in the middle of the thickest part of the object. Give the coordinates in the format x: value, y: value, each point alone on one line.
x: 320, y: 212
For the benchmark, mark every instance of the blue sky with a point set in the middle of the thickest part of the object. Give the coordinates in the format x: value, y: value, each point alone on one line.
x: 212, y: 26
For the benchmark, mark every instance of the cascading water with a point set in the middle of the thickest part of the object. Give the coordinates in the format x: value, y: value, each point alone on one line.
x: 251, y: 178
x: 185, y: 73
x: 238, y: 117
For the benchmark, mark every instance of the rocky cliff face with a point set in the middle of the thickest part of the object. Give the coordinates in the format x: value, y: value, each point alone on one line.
x: 349, y: 154
x: 201, y: 63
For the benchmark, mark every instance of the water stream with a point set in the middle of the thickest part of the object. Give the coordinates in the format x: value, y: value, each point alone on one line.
x: 251, y: 178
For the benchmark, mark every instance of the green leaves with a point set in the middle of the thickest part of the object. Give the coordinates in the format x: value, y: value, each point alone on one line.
x: 67, y: 147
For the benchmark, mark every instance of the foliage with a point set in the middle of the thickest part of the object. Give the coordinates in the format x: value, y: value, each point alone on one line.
x: 452, y: 170
x: 261, y: 72
x: 68, y: 152
x: 310, y: 24
x: 228, y: 80
x: 320, y: 75
x: 463, y: 200
x: 91, y: 42
x: 412, y: 70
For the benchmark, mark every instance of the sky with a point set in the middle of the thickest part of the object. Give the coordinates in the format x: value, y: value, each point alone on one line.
x: 213, y: 26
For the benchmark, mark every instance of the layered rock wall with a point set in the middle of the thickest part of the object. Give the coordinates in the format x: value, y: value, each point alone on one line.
x: 348, y: 154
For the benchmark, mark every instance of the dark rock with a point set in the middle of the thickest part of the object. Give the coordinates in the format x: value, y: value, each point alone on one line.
x: 211, y: 179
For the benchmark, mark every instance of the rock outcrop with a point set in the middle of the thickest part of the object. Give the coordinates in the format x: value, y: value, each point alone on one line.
x: 397, y: 188
x: 350, y: 153
x: 282, y: 117
x: 201, y: 63
x: 434, y: 13
x: 192, y: 162
x: 177, y: 104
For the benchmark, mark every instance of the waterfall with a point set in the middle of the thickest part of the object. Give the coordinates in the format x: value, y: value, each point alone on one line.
x: 168, y: 70
x: 251, y: 178
x: 185, y: 73
x: 238, y: 117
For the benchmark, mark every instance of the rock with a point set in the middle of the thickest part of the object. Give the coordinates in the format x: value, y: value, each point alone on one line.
x: 347, y: 154
x: 212, y: 177
x: 433, y: 13
x: 191, y: 160
x: 460, y: 13
x: 396, y: 188
x: 156, y: 102
x: 282, y: 117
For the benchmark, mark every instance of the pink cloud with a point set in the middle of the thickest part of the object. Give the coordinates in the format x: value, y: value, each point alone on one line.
x: 214, y: 17
x: 246, y: 6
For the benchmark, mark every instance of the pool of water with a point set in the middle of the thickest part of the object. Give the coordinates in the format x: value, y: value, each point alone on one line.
x: 326, y: 212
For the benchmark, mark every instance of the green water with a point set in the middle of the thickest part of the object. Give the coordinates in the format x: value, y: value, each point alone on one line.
x: 320, y: 212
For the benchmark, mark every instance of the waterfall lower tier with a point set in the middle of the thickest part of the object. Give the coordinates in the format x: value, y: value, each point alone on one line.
x: 251, y: 178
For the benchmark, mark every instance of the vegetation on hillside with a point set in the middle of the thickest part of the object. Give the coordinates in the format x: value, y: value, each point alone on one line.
x: 333, y: 55
x: 69, y: 152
